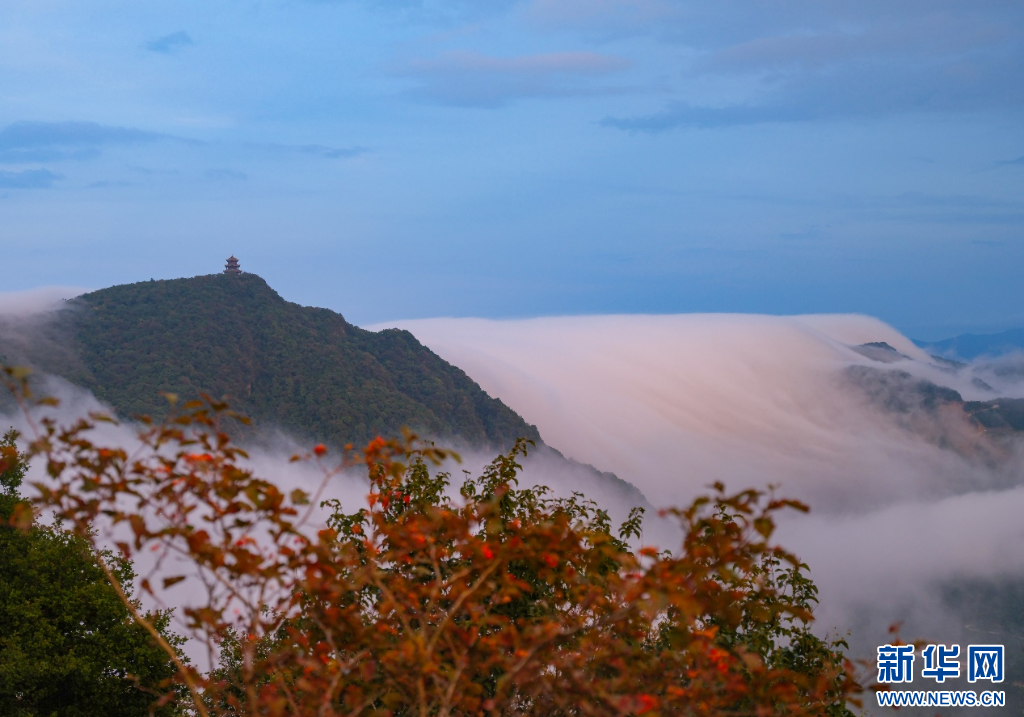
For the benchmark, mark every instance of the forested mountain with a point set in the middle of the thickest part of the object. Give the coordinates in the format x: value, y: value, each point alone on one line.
x: 304, y: 369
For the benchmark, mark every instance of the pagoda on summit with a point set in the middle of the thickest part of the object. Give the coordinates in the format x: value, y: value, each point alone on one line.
x: 232, y: 266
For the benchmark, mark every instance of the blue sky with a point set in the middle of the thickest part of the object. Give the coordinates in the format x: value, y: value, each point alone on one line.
x: 404, y: 158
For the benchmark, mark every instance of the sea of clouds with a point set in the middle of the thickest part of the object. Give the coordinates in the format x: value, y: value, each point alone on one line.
x: 902, y: 505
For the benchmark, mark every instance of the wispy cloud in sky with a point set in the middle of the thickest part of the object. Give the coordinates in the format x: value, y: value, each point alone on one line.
x: 603, y: 18
x: 225, y: 175
x: 56, y: 141
x: 313, y: 150
x: 46, y: 141
x: 868, y: 90
x: 29, y: 179
x: 435, y: 12
x: 169, y: 44
x: 736, y: 63
x: 475, y: 79
x: 941, y: 65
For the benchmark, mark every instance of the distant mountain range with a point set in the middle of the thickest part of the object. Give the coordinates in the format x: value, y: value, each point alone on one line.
x: 971, y: 346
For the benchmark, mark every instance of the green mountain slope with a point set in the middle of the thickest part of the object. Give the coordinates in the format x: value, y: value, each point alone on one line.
x: 304, y: 369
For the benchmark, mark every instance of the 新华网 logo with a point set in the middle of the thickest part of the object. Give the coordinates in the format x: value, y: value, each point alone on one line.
x: 941, y: 662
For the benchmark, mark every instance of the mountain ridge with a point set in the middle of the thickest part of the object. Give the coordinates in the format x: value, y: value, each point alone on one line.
x: 306, y: 369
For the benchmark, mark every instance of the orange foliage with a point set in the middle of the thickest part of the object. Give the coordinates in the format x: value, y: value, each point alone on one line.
x: 502, y: 602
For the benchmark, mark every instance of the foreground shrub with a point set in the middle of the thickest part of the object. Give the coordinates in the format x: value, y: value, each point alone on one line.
x: 500, y: 601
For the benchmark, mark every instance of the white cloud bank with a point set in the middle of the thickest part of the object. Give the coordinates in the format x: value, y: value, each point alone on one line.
x: 36, y: 301
x: 673, y: 403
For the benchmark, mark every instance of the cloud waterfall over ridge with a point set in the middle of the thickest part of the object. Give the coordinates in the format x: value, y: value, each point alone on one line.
x: 904, y: 493
x: 673, y: 403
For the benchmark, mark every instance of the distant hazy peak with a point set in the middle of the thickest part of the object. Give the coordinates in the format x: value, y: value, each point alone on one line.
x: 880, y: 351
x: 971, y: 346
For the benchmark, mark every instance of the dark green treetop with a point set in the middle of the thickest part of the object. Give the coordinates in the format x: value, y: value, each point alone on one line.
x: 68, y: 647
